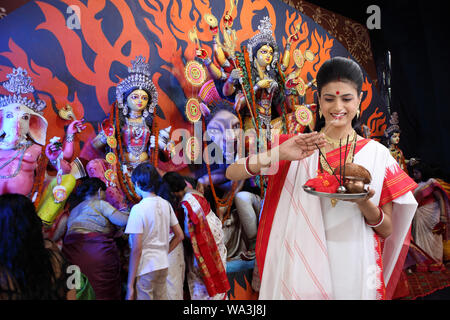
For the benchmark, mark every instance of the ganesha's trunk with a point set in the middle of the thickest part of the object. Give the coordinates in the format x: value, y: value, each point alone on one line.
x: 11, y: 139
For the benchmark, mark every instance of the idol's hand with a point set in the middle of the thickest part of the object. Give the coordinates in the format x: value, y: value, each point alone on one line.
x: 163, y: 139
x: 301, y: 146
x: 75, y: 127
x: 240, y: 102
x: 152, y: 142
x: 264, y: 83
x: 236, y: 74
x: 293, y: 38
x: 53, y: 150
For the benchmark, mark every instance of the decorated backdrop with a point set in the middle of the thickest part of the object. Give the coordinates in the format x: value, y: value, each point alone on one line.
x: 77, y: 52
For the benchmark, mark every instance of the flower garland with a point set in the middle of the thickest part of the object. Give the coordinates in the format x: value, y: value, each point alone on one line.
x: 38, y: 185
x: 283, y: 105
x: 125, y: 183
x: 247, y: 86
x: 156, y: 134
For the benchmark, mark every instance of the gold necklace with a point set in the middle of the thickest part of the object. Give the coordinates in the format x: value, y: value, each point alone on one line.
x: 336, y: 143
x: 350, y: 153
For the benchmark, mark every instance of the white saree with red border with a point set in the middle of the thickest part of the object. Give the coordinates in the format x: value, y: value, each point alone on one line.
x: 308, y: 249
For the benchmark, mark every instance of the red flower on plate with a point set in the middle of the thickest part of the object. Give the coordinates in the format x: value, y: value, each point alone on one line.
x: 324, y: 182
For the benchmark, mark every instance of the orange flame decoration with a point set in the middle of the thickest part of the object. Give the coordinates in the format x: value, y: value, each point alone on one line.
x: 376, y: 121
x: 46, y: 85
x: 94, y: 37
x: 169, y: 22
x: 240, y: 293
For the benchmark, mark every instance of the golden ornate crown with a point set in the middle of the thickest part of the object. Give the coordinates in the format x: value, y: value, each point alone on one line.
x: 265, y: 36
x: 139, y: 78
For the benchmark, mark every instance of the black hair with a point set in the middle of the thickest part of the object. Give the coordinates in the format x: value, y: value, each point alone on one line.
x: 175, y: 181
x: 217, y: 106
x: 89, y: 187
x: 192, y: 181
x: 146, y: 177
x: 339, y: 69
x: 24, y: 260
x: 427, y: 171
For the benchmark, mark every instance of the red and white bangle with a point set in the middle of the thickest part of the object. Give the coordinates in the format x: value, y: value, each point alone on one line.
x: 247, y: 168
x: 380, y: 221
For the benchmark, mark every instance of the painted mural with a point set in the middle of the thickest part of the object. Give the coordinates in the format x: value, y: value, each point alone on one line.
x: 76, y: 52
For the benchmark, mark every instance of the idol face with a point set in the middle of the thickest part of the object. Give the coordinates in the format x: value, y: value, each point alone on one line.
x: 264, y: 56
x: 17, y: 122
x: 395, y: 138
x: 137, y: 100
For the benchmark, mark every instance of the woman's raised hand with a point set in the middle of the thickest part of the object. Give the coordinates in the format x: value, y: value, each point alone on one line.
x: 301, y: 146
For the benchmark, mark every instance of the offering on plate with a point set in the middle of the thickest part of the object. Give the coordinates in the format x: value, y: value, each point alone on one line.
x: 324, y: 182
x: 346, y: 182
x: 355, y: 177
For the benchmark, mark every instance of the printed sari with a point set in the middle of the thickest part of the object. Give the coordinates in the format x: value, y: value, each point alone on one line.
x: 207, y: 276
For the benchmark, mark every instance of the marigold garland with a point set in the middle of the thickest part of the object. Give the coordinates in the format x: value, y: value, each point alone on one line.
x: 38, y: 185
x: 155, y: 150
x: 128, y: 189
x: 254, y: 110
x: 283, y: 105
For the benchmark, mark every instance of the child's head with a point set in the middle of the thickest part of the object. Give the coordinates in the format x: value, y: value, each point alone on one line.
x: 146, y: 178
x: 176, y: 183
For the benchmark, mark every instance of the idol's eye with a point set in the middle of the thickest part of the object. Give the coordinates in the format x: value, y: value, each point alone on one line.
x: 145, y: 98
x: 214, y: 131
x: 25, y: 117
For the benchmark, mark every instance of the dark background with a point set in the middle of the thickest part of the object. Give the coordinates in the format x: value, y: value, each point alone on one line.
x: 416, y: 34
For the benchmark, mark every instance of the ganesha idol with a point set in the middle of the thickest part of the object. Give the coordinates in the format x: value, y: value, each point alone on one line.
x: 22, y: 134
x: 23, y: 131
x: 129, y: 137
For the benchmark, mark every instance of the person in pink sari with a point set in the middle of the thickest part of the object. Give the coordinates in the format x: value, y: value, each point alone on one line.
x: 310, y: 247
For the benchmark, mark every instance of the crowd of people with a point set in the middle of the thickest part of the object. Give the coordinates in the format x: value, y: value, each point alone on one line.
x: 34, y: 268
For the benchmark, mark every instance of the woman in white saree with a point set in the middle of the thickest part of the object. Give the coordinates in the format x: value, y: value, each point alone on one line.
x: 309, y: 247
